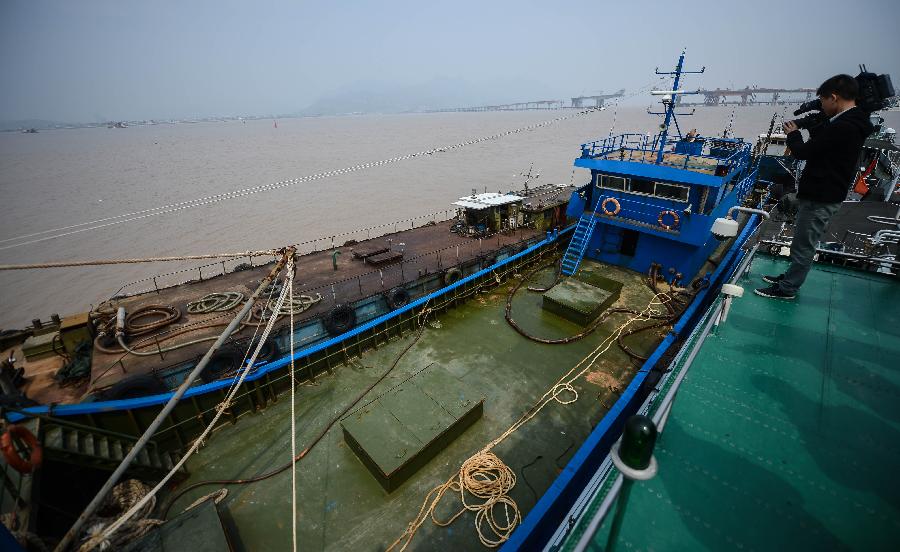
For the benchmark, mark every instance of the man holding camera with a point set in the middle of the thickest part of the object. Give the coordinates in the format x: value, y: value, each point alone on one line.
x: 831, y: 155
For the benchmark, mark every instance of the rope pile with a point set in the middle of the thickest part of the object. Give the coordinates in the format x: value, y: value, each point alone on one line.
x: 167, y: 314
x: 124, y: 496
x: 488, y: 479
x: 216, y: 302
x: 293, y: 306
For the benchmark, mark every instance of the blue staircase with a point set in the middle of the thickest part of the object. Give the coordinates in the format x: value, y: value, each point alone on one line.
x: 577, y: 246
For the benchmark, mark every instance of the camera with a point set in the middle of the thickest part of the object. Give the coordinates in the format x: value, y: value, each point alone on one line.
x: 874, y: 93
x: 874, y: 90
x: 813, y: 120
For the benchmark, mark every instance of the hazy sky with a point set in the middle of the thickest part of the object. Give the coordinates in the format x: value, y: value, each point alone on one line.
x: 101, y: 60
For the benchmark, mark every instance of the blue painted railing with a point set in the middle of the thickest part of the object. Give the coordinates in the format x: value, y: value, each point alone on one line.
x: 628, y: 145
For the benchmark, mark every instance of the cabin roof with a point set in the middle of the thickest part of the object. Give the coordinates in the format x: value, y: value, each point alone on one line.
x: 484, y: 201
x: 652, y: 171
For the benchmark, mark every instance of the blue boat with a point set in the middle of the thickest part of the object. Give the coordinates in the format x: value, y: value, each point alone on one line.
x: 646, y: 242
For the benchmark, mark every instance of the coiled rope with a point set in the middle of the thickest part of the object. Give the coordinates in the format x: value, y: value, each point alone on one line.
x: 293, y: 306
x: 216, y: 302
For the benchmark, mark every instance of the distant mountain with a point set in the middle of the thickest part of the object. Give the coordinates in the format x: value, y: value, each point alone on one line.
x: 442, y: 93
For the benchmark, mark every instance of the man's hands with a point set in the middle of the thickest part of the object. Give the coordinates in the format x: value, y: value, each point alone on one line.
x: 789, y: 127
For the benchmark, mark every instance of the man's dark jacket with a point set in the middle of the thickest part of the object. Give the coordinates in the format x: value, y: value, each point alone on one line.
x: 831, y: 156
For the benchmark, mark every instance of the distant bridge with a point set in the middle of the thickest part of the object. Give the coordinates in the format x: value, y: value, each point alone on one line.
x: 579, y: 102
x: 752, y: 95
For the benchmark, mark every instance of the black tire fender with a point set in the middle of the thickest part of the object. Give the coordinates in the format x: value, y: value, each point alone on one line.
x: 397, y: 297
x: 269, y: 350
x: 220, y: 364
x: 452, y: 275
x: 340, y: 319
x: 135, y: 386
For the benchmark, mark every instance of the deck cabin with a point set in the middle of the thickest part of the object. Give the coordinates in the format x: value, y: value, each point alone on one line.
x: 650, y: 203
x: 488, y: 213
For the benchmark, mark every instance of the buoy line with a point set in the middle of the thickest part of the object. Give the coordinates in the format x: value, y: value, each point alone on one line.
x: 106, y: 222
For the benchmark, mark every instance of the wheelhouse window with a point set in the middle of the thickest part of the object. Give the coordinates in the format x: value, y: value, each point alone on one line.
x: 671, y: 191
x: 640, y: 186
x: 667, y: 190
x: 611, y: 182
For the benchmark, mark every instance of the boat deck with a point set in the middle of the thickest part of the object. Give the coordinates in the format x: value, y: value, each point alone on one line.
x: 426, y: 250
x: 785, y: 433
x: 342, y: 506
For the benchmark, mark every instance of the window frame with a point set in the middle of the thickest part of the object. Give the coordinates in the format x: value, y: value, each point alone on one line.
x: 626, y: 187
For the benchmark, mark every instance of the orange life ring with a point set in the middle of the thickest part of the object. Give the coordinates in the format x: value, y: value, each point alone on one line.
x: 12, y: 455
x: 674, y: 216
x: 615, y: 202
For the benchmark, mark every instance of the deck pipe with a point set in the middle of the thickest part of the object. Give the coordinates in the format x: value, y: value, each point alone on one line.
x: 164, y: 413
x: 334, y: 256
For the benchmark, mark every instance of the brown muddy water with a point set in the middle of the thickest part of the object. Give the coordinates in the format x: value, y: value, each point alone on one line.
x: 55, y: 179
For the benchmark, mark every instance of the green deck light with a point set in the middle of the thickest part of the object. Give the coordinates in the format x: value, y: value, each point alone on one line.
x: 638, y: 441
x: 633, y: 456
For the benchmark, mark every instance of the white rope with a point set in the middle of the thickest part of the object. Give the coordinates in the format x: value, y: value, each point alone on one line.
x: 208, y: 200
x: 99, y: 262
x: 224, y: 405
x: 290, y: 286
x: 217, y: 496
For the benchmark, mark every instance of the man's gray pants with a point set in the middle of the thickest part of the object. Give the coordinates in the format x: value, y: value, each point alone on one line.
x: 809, y: 225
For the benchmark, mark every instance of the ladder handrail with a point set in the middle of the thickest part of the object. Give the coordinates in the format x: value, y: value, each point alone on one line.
x: 587, y: 222
x: 44, y: 420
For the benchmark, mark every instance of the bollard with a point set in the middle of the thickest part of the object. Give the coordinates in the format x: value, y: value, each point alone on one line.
x: 633, y: 456
x: 334, y: 256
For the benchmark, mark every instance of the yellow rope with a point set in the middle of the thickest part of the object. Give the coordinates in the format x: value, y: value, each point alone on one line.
x: 487, y: 478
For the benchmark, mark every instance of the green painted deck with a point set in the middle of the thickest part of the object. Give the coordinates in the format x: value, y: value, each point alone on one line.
x: 397, y: 433
x: 785, y: 434
x: 341, y: 506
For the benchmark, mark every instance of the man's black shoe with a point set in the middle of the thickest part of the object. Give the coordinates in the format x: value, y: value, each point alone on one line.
x: 773, y: 279
x: 774, y: 292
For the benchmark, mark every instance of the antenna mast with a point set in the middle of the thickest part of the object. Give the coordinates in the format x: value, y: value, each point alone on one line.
x: 669, y: 100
